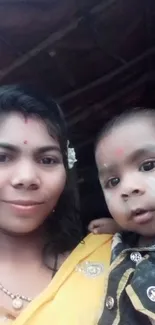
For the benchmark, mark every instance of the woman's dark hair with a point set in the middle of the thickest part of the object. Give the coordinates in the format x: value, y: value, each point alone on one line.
x: 123, y: 117
x: 64, y: 227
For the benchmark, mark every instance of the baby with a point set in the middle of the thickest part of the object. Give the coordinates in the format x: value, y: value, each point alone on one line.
x: 125, y: 158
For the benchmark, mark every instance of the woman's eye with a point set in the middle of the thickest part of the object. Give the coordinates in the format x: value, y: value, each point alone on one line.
x: 4, y: 158
x: 147, y: 166
x: 113, y: 182
x: 48, y: 161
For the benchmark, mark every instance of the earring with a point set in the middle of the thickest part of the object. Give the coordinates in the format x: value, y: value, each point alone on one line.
x: 53, y: 210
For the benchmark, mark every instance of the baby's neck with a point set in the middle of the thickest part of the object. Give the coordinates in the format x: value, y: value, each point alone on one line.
x: 146, y: 241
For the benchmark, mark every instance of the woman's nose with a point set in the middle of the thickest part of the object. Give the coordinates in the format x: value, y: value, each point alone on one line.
x: 25, y: 177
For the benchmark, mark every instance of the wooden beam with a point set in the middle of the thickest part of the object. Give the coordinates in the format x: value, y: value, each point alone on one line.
x: 107, y: 77
x: 115, y: 97
x: 54, y: 37
x: 102, y: 6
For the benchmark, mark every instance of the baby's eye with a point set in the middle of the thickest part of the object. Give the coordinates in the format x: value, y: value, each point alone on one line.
x: 112, y: 182
x: 147, y: 166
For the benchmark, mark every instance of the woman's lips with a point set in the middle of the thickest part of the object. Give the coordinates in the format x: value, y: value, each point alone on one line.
x: 24, y: 206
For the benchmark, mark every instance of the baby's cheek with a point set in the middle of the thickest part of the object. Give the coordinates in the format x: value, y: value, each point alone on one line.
x: 113, y: 203
x: 110, y: 199
x: 108, y: 196
x: 150, y: 185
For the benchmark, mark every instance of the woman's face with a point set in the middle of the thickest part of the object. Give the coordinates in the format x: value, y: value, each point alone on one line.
x: 32, y: 173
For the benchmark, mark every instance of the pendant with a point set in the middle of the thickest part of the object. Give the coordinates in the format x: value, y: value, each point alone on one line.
x: 17, y: 303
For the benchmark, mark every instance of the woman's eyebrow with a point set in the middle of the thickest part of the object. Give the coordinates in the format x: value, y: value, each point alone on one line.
x: 48, y: 148
x: 9, y: 146
x: 42, y: 149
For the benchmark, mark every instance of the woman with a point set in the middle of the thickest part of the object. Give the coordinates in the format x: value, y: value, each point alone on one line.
x: 48, y: 274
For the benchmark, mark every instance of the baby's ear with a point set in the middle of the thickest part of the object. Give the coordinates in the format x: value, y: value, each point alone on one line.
x: 103, y: 226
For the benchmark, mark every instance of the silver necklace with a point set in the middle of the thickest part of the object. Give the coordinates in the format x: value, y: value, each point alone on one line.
x: 17, y: 300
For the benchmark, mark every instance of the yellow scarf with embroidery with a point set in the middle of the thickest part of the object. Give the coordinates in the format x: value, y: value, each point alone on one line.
x: 75, y: 294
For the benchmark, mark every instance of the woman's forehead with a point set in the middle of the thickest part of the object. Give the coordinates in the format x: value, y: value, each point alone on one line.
x: 16, y: 128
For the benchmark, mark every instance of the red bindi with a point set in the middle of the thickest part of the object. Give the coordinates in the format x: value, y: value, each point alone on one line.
x: 25, y: 142
x: 119, y: 152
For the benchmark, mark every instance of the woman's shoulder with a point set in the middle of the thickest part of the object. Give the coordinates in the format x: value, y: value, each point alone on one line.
x: 93, y: 241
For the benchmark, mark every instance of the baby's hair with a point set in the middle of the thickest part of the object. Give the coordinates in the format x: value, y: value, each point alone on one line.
x: 123, y: 117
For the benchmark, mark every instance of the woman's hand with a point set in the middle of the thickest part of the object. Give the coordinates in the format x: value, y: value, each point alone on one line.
x: 103, y: 226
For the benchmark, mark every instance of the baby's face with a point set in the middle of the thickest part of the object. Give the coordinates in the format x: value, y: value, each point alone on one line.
x: 125, y: 159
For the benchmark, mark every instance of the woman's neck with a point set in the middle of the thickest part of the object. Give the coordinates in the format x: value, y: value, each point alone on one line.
x: 22, y: 267
x: 23, y: 250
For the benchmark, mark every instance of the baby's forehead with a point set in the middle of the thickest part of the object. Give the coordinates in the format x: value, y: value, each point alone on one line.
x: 117, y: 149
x: 133, y: 128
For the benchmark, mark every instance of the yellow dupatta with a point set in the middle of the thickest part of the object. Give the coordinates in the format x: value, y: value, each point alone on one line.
x: 75, y: 294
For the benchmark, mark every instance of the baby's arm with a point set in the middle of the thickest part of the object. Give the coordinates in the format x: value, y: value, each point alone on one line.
x: 103, y: 226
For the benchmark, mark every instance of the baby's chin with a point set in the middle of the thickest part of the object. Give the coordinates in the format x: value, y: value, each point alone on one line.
x: 144, y: 230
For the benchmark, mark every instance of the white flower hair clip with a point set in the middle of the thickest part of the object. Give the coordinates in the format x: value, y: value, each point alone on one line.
x: 71, y: 156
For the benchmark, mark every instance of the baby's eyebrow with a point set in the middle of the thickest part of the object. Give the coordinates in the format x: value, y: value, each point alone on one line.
x: 107, y: 169
x: 138, y: 153
x: 141, y: 152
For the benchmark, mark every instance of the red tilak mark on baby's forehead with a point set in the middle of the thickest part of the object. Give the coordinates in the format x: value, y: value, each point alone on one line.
x: 119, y: 152
x: 25, y: 141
